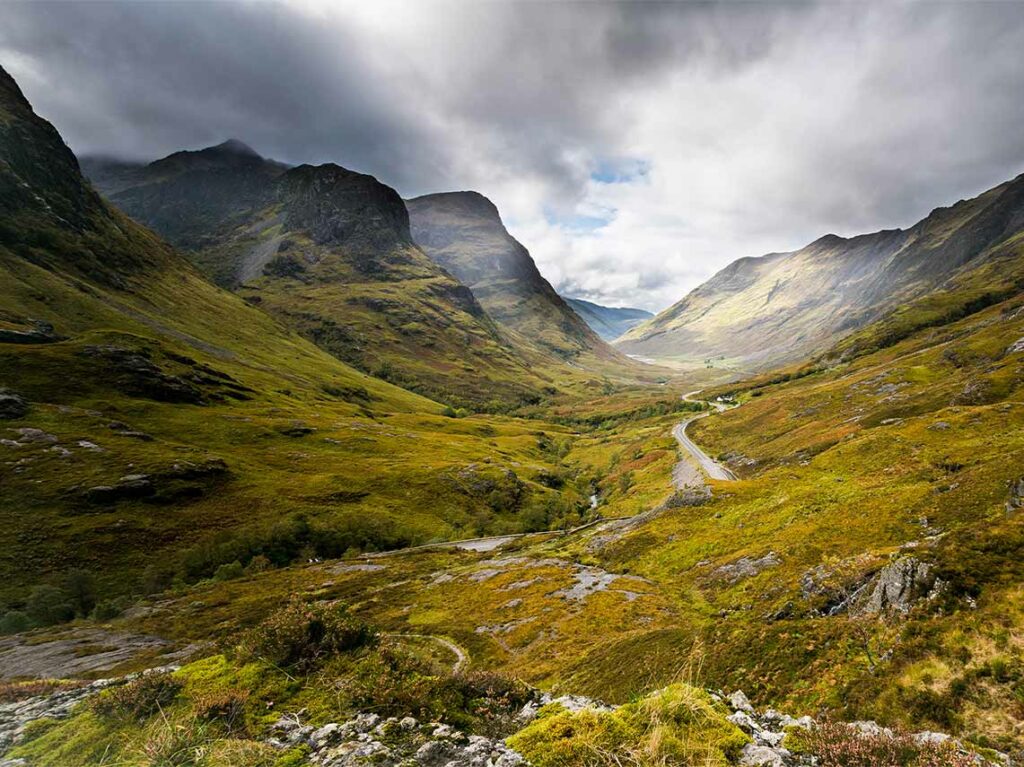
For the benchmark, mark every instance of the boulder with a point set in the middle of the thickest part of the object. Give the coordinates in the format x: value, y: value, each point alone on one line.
x: 762, y: 756
x: 738, y: 701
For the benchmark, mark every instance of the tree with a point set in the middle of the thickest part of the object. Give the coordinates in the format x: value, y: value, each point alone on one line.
x: 80, y: 588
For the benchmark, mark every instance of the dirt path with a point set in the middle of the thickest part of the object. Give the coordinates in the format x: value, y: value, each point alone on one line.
x: 692, y: 473
x: 461, y: 656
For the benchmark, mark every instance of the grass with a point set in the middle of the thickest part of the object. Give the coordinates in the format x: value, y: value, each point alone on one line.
x: 677, y: 725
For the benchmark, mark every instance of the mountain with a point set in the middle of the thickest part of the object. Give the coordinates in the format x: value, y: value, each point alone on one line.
x: 463, y: 232
x: 154, y: 426
x: 328, y: 251
x: 761, y: 312
x: 609, y: 322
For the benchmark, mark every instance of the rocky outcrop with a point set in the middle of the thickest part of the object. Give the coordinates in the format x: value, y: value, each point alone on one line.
x: 746, y: 567
x: 1016, y: 499
x: 370, y: 739
x: 40, y: 333
x: 899, y: 586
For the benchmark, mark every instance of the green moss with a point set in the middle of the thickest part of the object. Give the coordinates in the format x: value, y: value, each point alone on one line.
x: 677, y: 725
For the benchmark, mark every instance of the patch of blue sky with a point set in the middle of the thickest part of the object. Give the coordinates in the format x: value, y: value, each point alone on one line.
x: 621, y: 170
x: 580, y: 223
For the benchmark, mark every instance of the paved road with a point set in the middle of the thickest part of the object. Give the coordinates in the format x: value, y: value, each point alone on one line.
x: 708, y: 465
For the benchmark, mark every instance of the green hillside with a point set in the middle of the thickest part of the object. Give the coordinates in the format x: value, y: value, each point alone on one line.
x: 155, y: 422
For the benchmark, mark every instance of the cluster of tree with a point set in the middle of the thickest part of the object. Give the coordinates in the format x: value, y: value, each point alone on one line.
x: 73, y: 595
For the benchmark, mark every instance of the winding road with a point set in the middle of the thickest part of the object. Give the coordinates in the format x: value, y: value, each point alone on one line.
x: 684, y: 474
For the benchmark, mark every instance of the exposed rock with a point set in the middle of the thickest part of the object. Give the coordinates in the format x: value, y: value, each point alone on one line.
x: 12, y: 405
x: 72, y: 653
x: 739, y: 702
x: 746, y: 567
x: 1016, y: 499
x: 762, y: 756
x: 899, y: 585
x: 1016, y: 346
x: 28, y: 435
x: 41, y: 333
x: 133, y: 373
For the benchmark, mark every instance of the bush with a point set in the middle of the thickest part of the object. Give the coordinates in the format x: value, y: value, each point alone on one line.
x: 839, y: 745
x: 48, y: 605
x: 258, y: 564
x: 224, y: 706
x: 229, y: 572
x: 137, y: 700
x: 109, y: 609
x: 302, y: 636
x: 14, y: 622
x: 79, y: 587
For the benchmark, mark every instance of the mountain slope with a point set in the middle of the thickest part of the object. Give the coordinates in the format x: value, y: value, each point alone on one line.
x: 609, y: 322
x: 152, y: 424
x: 463, y: 232
x: 328, y: 251
x: 760, y: 312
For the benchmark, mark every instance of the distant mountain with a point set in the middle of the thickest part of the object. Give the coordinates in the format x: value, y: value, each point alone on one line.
x: 463, y: 232
x: 761, y: 312
x: 330, y: 252
x: 609, y: 322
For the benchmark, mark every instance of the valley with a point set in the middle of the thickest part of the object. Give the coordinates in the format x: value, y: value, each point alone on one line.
x: 299, y: 472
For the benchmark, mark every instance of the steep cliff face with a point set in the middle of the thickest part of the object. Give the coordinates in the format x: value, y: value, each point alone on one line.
x: 761, y: 312
x: 463, y: 232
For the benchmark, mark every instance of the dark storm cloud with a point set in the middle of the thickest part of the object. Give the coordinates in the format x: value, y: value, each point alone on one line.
x: 145, y: 79
x: 760, y: 126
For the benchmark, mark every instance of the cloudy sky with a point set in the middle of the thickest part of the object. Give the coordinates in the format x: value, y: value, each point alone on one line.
x: 634, y: 148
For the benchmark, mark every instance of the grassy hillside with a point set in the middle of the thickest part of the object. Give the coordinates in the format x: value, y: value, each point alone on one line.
x: 901, y: 460
x: 155, y: 425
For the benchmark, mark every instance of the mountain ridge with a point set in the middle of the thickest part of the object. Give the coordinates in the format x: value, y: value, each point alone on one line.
x: 759, y: 312
x: 609, y: 322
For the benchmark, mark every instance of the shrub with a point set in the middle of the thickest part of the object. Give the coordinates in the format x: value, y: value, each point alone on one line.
x: 258, y: 564
x: 839, y: 745
x: 108, y: 609
x: 302, y: 636
x: 48, y: 605
x: 11, y: 692
x: 14, y: 621
x: 229, y: 572
x: 224, y: 706
x: 137, y: 700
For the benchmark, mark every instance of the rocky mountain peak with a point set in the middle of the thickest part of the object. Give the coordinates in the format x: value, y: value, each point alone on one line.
x: 465, y: 203
x: 236, y: 147
x: 336, y: 205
